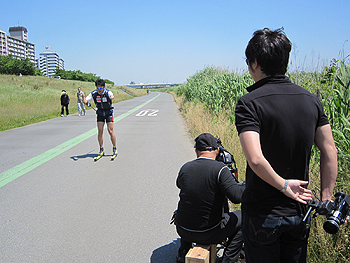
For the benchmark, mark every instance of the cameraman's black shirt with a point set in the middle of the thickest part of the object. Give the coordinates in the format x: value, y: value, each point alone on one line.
x: 204, y: 185
x: 286, y: 116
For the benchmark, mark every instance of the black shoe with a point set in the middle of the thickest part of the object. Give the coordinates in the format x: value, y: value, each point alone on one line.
x: 180, y: 259
x: 181, y: 256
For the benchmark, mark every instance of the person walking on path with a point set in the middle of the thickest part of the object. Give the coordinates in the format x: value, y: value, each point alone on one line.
x: 278, y: 123
x: 80, y: 101
x: 64, y: 103
x: 103, y: 101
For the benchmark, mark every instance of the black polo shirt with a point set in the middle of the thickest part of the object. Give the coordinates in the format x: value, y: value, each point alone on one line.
x: 286, y: 116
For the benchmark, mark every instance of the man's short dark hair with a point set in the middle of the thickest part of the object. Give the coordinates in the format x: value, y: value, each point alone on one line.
x: 100, y: 83
x: 271, y: 51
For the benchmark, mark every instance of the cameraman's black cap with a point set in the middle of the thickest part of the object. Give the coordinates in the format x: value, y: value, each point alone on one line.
x: 206, y: 142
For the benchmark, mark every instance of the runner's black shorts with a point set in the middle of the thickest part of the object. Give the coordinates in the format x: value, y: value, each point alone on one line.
x: 105, y: 115
x: 108, y: 118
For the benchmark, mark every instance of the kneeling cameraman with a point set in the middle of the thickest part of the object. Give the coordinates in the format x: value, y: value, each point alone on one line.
x: 202, y: 215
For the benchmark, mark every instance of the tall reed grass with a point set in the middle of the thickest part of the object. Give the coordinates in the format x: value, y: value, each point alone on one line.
x: 217, y: 88
x: 29, y: 99
x: 208, y: 100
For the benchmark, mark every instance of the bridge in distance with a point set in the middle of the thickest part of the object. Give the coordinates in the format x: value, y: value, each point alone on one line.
x: 152, y: 85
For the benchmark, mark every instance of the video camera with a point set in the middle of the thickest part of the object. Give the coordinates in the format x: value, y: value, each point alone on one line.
x: 227, y: 158
x: 336, y: 212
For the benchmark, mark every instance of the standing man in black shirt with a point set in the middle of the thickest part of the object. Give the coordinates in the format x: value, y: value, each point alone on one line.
x: 278, y: 122
x: 202, y: 214
x: 64, y: 103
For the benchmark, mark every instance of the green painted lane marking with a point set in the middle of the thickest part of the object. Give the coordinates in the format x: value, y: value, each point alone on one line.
x: 25, y: 167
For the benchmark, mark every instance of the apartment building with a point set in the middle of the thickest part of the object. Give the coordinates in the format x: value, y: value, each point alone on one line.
x: 48, y: 61
x: 18, y: 45
x: 3, y: 43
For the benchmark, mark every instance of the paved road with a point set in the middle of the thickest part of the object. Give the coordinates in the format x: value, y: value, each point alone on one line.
x: 57, y: 205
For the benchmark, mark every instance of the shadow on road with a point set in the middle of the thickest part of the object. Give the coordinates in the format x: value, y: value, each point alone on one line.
x: 166, y: 253
x: 88, y: 155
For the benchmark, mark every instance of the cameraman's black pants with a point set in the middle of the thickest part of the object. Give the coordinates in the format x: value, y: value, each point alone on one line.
x: 230, y: 228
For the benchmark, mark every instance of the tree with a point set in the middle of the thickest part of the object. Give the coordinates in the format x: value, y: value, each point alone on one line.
x: 78, y: 75
x: 10, y: 65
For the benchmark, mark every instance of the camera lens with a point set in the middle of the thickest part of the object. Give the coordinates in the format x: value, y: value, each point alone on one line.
x: 331, y: 225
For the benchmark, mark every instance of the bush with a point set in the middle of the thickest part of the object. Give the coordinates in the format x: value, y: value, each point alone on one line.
x: 78, y: 75
x: 13, y: 66
x: 216, y: 88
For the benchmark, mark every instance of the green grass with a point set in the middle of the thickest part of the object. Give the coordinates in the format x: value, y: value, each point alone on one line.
x: 30, y: 99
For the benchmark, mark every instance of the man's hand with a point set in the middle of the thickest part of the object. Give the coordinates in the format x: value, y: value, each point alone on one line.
x: 297, y: 192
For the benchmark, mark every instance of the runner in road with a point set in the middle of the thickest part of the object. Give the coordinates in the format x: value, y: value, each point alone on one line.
x: 103, y: 101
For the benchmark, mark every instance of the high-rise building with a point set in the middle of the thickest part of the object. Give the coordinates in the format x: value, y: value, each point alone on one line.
x: 19, y: 32
x: 3, y: 43
x: 18, y: 45
x: 48, y: 61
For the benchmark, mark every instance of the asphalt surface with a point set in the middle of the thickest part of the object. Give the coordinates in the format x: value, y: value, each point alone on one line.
x: 58, y: 205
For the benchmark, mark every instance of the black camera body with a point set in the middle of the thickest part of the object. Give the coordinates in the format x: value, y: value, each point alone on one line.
x: 336, y: 212
x: 227, y: 158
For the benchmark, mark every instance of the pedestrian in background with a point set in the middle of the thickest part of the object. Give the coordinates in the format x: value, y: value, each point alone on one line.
x: 80, y: 101
x: 64, y: 103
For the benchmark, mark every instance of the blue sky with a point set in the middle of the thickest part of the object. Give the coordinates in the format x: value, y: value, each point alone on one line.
x: 169, y: 41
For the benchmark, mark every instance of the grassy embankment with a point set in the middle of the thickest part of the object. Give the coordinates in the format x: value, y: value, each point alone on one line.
x: 208, y: 100
x: 30, y: 99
